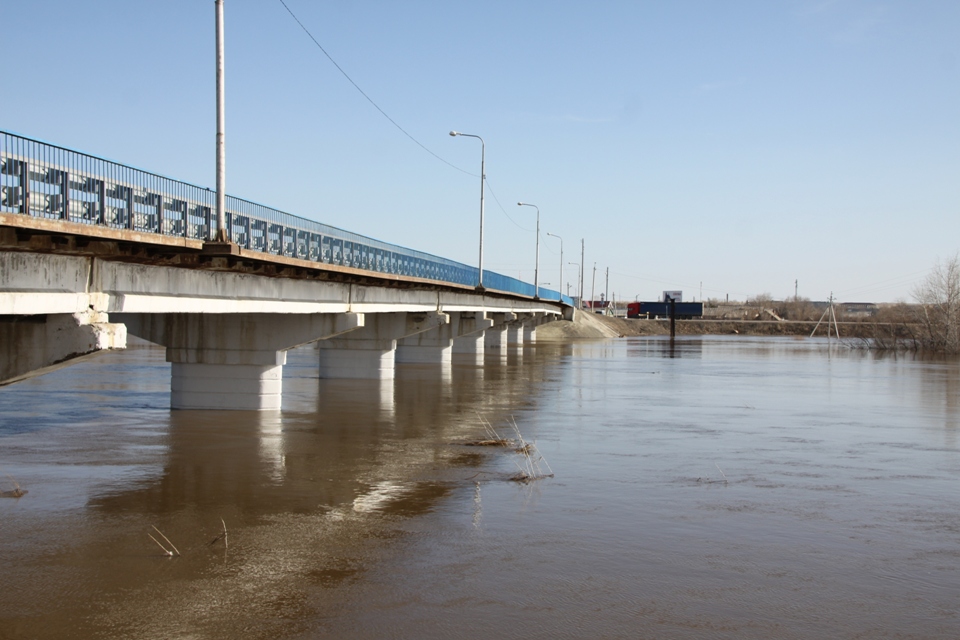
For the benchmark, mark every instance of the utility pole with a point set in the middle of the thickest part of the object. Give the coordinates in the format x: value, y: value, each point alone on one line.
x: 606, y: 288
x: 582, y: 264
x: 795, y: 285
x: 593, y: 286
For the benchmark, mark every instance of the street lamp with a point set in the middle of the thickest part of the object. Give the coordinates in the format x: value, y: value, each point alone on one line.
x: 579, y: 293
x: 221, y: 153
x: 561, y: 256
x: 536, y: 268
x: 483, y: 153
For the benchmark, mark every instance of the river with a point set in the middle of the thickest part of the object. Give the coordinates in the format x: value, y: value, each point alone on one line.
x: 723, y: 487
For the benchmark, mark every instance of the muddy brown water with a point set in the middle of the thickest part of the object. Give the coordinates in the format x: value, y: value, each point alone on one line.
x: 722, y: 488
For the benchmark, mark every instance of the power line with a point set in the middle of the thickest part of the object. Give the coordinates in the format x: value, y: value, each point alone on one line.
x: 369, y: 99
x: 497, y: 200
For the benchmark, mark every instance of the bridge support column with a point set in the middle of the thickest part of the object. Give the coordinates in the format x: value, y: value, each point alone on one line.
x: 469, y: 349
x: 232, y: 361
x: 33, y: 345
x: 369, y: 353
x: 430, y: 347
x: 530, y: 327
x: 249, y: 387
x: 468, y: 346
x: 495, y: 339
x: 516, y: 330
x: 438, y: 345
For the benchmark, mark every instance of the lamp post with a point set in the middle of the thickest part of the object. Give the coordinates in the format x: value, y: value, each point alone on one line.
x: 221, y: 155
x: 483, y: 154
x: 561, y: 254
x: 580, y: 292
x: 536, y: 268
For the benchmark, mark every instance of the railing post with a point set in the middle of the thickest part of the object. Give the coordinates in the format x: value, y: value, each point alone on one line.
x: 65, y: 195
x: 131, y: 224
x: 102, y: 195
x: 25, y: 187
x: 159, y: 198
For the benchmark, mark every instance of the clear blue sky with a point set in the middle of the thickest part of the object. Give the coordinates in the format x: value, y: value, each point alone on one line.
x: 744, y: 145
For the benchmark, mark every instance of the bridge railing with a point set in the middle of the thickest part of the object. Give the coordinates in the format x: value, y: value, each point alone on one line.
x: 47, y: 181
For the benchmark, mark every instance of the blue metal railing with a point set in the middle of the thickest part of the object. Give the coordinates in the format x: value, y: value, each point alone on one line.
x: 46, y: 181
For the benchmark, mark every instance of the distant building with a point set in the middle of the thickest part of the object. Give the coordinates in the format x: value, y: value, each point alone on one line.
x: 858, y: 309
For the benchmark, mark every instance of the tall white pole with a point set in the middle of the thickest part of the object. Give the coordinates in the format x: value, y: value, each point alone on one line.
x: 483, y: 177
x: 221, y: 154
x: 593, y: 287
x: 560, y: 288
x: 581, y: 271
x: 536, y: 268
x: 606, y: 286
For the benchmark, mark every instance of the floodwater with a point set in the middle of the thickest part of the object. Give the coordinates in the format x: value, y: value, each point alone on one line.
x: 727, y: 487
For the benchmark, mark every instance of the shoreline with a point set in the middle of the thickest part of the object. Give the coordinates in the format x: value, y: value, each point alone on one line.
x: 587, y: 325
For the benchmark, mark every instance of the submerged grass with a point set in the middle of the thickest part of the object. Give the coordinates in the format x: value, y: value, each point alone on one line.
x: 531, y: 464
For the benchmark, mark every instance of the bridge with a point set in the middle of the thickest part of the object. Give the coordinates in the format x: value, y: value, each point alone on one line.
x: 92, y: 250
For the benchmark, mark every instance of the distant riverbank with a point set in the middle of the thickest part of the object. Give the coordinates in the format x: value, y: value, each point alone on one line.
x: 586, y: 325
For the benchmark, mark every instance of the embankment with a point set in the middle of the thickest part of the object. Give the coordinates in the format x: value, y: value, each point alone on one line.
x: 588, y: 325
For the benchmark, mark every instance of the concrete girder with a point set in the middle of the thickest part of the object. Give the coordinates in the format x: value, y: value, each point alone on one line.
x: 34, y: 345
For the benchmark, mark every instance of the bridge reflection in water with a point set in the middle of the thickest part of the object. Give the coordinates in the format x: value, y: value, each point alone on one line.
x: 307, y: 494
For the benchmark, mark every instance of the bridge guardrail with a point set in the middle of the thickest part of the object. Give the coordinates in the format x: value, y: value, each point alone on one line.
x: 48, y: 181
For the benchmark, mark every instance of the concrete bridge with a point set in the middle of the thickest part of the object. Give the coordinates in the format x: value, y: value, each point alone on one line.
x: 91, y: 251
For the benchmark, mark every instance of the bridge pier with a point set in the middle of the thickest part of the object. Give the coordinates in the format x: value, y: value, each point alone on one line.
x: 438, y: 345
x: 530, y: 325
x: 232, y: 361
x: 227, y: 386
x: 469, y: 349
x: 369, y: 353
x: 495, y: 339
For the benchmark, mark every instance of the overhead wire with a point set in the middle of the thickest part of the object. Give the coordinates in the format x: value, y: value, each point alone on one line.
x: 497, y: 200
x: 394, y: 122
x: 369, y: 99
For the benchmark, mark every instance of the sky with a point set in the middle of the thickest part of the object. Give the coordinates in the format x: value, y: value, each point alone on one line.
x: 731, y: 148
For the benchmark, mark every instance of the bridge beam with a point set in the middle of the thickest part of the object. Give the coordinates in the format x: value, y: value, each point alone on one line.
x: 369, y: 353
x: 232, y: 361
x: 33, y: 345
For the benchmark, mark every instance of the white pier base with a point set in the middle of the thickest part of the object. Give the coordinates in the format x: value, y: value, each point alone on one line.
x: 495, y: 340
x: 226, y: 386
x: 363, y: 359
x: 469, y: 349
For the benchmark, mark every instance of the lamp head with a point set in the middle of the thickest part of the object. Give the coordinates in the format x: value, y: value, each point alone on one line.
x: 454, y: 133
x: 519, y: 204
